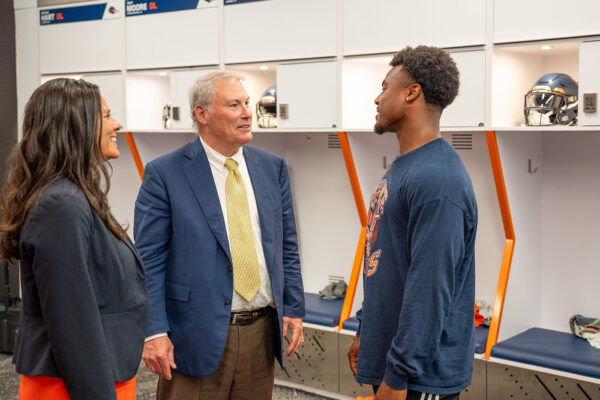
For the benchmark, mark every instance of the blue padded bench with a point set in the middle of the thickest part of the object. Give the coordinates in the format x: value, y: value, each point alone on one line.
x: 481, y: 336
x: 351, y: 324
x: 551, y: 349
x: 322, y: 312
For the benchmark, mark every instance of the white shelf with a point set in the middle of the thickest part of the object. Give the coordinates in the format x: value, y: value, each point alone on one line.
x: 158, y: 131
x: 482, y: 129
x: 527, y: 129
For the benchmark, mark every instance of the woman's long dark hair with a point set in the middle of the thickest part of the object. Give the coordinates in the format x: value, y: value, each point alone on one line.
x: 62, y: 129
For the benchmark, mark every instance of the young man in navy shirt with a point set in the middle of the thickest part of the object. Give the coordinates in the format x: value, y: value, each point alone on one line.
x: 415, y: 338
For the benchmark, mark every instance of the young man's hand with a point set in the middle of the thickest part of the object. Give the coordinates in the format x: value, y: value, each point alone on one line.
x: 387, y: 393
x: 353, y: 354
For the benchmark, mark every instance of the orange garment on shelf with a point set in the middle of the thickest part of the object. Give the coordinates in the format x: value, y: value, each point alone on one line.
x: 50, y: 388
x: 478, y: 317
x: 365, y: 398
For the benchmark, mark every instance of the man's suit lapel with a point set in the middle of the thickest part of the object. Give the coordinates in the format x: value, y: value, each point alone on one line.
x: 199, y: 175
x: 264, y: 201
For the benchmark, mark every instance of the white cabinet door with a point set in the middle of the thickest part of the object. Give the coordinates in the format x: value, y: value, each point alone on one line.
x: 381, y: 26
x: 181, y: 82
x: 173, y: 39
x: 589, y: 79
x: 87, y: 45
x: 309, y: 91
x: 469, y: 106
x: 280, y: 30
x: 518, y: 20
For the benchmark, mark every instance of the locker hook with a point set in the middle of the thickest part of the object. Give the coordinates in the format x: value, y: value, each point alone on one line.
x: 530, y: 169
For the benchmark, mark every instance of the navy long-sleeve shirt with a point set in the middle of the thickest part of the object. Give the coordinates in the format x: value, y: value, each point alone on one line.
x: 416, y: 327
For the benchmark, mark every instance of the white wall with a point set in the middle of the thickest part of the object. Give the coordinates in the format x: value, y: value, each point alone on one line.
x: 26, y: 47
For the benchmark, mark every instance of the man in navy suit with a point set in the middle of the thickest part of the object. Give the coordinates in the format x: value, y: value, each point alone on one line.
x: 206, y: 338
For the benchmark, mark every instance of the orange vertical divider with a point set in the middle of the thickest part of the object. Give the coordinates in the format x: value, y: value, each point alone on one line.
x: 508, y: 245
x: 135, y: 153
x: 362, y: 215
x: 349, y: 160
x: 356, y: 268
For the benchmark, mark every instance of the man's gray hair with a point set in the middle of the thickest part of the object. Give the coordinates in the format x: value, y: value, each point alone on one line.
x: 202, y: 93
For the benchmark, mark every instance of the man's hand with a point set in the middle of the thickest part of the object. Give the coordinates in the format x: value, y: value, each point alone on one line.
x: 297, y: 333
x: 158, y: 356
x: 353, y: 354
x: 387, y: 393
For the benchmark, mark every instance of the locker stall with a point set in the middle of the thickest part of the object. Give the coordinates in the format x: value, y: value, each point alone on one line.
x: 549, y: 173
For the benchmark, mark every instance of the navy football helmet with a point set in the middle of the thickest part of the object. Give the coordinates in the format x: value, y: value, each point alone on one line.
x: 266, y: 108
x: 552, y: 101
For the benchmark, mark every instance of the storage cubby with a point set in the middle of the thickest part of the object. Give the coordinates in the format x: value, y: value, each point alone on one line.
x: 516, y: 68
x: 258, y: 78
x: 147, y: 93
x: 361, y: 84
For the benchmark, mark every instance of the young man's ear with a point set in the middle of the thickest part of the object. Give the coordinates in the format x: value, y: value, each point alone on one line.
x: 414, y: 91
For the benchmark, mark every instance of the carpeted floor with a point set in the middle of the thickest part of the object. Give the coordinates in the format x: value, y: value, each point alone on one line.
x: 146, y: 384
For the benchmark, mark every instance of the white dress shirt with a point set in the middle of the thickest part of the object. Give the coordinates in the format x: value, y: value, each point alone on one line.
x: 264, y: 296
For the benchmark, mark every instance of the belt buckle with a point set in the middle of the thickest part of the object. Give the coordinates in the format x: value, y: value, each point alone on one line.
x: 234, y: 319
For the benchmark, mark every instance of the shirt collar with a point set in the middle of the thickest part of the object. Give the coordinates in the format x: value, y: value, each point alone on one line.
x: 217, y: 160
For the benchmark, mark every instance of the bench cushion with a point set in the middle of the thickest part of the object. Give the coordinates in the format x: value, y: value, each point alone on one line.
x: 322, y: 312
x: 351, y: 324
x: 481, y: 336
x: 551, y: 349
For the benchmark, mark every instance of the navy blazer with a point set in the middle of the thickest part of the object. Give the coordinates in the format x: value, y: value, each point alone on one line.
x: 181, y: 235
x: 84, y: 297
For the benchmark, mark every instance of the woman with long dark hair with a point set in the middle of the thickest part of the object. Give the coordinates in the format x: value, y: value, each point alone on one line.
x: 84, y: 307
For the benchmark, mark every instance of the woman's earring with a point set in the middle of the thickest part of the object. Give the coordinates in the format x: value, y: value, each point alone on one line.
x: 407, y: 99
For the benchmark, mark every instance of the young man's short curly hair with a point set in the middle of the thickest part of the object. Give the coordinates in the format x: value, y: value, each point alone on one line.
x: 433, y: 69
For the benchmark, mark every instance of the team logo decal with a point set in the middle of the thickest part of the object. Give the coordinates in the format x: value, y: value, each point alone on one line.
x: 376, y: 205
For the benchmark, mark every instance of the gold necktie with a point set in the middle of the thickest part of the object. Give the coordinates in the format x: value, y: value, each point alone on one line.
x: 246, y: 277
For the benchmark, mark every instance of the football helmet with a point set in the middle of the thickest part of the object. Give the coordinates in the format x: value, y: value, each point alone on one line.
x: 266, y: 108
x: 552, y: 101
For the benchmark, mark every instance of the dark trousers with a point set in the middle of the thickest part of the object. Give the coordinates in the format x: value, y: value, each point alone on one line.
x: 425, y: 396
x: 246, y: 371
